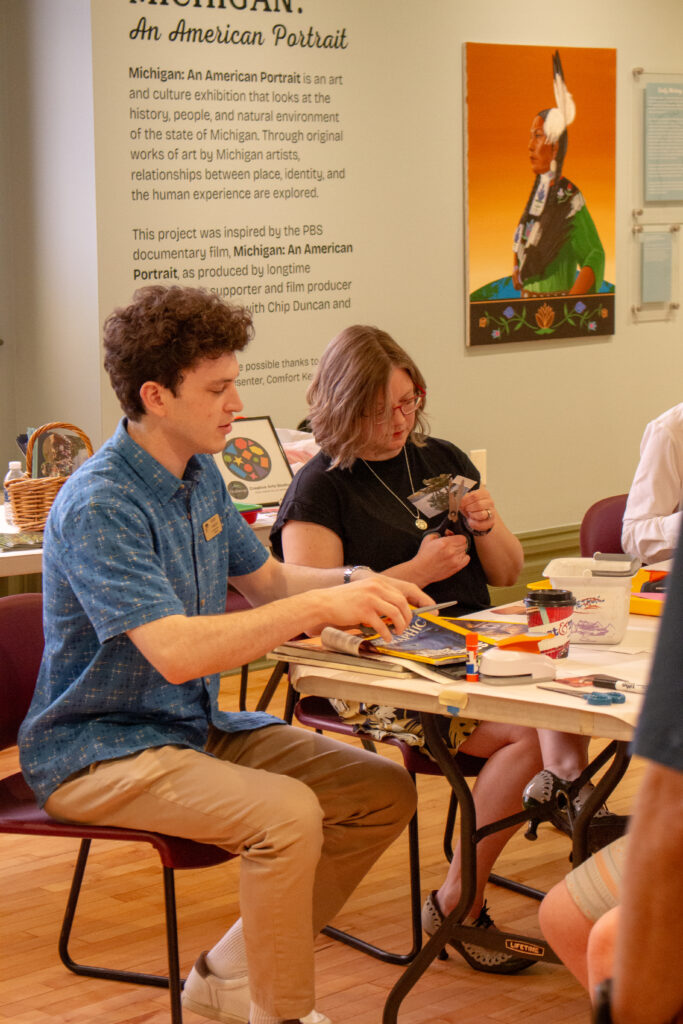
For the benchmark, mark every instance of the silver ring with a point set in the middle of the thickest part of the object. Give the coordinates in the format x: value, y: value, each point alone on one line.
x: 489, y: 513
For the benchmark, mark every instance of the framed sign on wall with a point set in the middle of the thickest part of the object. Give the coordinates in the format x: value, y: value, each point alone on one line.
x: 253, y: 462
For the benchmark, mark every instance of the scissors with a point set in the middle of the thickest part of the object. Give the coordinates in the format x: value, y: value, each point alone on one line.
x: 590, y: 698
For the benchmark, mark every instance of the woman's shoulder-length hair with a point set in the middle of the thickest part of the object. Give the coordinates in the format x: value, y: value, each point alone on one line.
x: 353, y: 373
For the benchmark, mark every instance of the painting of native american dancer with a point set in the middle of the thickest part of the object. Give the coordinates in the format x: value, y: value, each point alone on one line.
x: 542, y: 269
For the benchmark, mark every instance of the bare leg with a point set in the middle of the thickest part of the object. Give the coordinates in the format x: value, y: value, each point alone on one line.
x: 567, y: 930
x: 513, y: 755
x: 600, y: 953
x: 565, y: 754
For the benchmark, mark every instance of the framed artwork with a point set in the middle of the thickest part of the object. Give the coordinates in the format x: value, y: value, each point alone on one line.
x: 540, y: 179
x: 253, y: 462
x: 57, y: 453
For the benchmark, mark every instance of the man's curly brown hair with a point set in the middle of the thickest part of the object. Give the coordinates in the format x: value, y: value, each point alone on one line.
x: 163, y: 333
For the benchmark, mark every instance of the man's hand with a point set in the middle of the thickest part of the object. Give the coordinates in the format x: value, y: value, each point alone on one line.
x: 369, y: 601
x: 184, y: 647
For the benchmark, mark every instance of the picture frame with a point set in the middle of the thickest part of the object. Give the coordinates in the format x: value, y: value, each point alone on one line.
x: 253, y: 463
x: 58, y: 452
x: 508, y: 302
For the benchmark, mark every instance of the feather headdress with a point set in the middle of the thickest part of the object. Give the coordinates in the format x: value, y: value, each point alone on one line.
x: 561, y: 115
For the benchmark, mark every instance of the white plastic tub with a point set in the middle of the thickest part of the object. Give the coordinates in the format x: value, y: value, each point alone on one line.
x: 602, y: 601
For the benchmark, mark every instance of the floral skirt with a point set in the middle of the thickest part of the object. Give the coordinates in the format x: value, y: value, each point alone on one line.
x: 378, y: 721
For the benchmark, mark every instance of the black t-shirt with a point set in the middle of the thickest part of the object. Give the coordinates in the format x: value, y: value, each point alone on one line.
x: 374, y: 527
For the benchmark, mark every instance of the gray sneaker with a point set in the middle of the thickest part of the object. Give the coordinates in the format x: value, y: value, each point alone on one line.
x: 481, y: 959
x: 558, y: 803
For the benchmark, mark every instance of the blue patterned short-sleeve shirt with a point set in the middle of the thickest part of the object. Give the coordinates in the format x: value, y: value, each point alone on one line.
x: 128, y: 543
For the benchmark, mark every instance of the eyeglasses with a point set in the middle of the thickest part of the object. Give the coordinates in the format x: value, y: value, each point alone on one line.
x: 407, y: 408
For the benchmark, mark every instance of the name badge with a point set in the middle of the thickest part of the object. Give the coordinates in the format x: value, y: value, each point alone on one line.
x: 212, y: 527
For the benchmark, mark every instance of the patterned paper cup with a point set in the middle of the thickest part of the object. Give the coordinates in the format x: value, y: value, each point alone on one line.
x: 549, y: 614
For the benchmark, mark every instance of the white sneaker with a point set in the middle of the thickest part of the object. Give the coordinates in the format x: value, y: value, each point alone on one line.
x: 225, y: 999
x: 314, y: 1018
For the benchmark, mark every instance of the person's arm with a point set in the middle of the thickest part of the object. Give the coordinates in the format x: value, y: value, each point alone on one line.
x: 647, y: 986
x: 584, y: 283
x: 184, y: 647
x: 437, y: 558
x: 500, y: 552
x: 589, y: 253
x: 652, y: 520
x: 516, y: 279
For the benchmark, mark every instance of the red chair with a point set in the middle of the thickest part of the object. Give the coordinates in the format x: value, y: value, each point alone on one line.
x: 21, y: 646
x: 318, y: 714
x: 601, y: 527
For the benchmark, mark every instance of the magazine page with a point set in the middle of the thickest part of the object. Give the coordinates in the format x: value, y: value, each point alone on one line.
x: 427, y: 639
x: 345, y: 641
x: 498, y: 633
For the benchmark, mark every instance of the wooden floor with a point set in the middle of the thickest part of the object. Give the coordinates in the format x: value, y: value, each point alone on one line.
x: 121, y: 922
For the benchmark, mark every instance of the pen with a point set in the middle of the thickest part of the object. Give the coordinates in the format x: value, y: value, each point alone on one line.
x: 433, y: 607
x: 417, y: 611
x: 612, y: 683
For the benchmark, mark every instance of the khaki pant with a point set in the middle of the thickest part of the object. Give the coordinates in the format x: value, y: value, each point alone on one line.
x: 307, y: 815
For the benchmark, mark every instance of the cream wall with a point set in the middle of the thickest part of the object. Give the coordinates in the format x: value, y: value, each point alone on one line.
x: 561, y: 422
x: 48, y: 273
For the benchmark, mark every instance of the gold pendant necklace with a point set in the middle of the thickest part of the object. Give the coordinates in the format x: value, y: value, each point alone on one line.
x: 420, y: 523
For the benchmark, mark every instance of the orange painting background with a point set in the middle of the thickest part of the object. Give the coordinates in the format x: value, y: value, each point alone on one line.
x: 506, y: 87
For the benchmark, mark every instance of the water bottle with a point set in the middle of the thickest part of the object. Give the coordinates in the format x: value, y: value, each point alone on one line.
x: 14, y: 472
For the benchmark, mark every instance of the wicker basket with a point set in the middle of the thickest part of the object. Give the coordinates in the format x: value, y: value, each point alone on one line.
x: 31, y: 499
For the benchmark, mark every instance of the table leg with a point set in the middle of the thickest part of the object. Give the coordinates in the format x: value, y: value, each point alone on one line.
x: 452, y: 927
x: 620, y: 757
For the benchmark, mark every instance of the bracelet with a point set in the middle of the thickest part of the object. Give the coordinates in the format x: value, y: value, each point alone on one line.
x: 350, y: 569
x: 481, y: 533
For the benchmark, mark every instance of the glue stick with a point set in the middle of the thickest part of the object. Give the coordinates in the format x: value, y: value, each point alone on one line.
x: 472, y: 664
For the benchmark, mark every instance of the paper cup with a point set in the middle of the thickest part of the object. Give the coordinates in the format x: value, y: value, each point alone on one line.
x: 549, y: 615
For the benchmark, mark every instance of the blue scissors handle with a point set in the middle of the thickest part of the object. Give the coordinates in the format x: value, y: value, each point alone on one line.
x: 603, y: 698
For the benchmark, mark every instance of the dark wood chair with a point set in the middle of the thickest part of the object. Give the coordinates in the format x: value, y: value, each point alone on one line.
x: 21, y: 647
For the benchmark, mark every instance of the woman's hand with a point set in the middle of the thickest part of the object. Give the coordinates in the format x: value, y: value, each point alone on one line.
x: 440, y: 557
x: 478, y: 509
x: 500, y: 552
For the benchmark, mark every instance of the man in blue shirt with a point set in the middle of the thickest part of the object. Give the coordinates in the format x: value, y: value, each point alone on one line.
x: 124, y: 728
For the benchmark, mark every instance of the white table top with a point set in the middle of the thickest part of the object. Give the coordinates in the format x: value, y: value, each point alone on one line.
x: 18, y: 563
x: 524, y: 704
